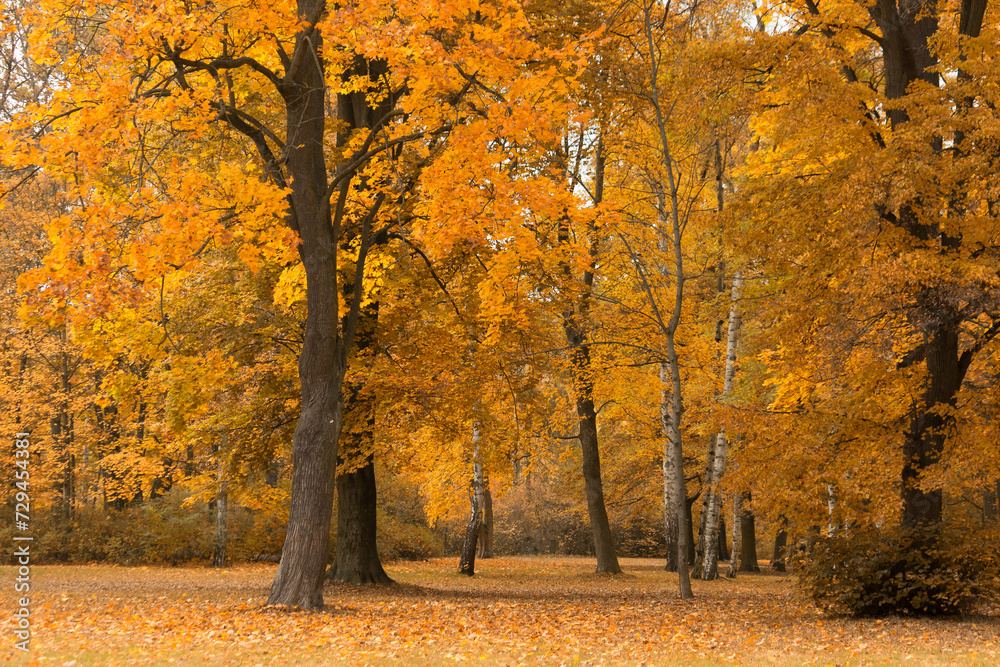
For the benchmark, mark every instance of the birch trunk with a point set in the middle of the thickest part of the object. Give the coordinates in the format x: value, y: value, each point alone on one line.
x: 467, y: 564
x: 697, y: 568
x: 722, y: 445
x: 671, y: 525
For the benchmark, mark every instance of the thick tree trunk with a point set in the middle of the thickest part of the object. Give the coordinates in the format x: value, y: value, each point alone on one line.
x: 928, y: 431
x: 485, y: 549
x: 356, y: 559
x: 748, y: 537
x: 991, y: 503
x: 467, y: 564
x: 299, y: 579
x: 908, y: 57
x: 734, y: 561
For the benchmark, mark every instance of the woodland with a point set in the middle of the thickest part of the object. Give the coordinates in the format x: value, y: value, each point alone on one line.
x: 333, y: 285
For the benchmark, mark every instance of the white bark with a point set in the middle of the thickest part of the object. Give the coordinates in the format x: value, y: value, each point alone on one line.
x: 467, y: 563
x: 831, y: 504
x: 722, y: 444
x: 670, y: 513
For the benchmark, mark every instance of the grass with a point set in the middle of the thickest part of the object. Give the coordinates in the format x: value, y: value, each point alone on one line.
x: 530, y: 610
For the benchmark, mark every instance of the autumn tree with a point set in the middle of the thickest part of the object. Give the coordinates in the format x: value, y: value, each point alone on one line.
x: 886, y: 233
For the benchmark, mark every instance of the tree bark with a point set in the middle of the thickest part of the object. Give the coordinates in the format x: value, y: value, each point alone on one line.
x: 467, y: 563
x: 689, y: 527
x: 907, y: 32
x: 722, y: 446
x: 780, y: 545
x: 734, y: 561
x: 723, y: 539
x: 671, y: 525
x: 748, y: 537
x: 576, y: 320
x: 929, y: 428
x: 356, y: 560
x: 697, y: 568
x: 299, y: 579
x: 221, y: 519
x: 485, y: 549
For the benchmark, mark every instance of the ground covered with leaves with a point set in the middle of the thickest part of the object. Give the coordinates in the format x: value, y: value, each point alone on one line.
x: 541, y: 610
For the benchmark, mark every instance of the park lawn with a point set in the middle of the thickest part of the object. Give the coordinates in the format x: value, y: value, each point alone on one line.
x: 529, y: 610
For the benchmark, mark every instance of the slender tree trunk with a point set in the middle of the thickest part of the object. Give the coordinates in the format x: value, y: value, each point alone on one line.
x: 221, y: 517
x: 689, y: 527
x: 467, y: 564
x: 722, y: 446
x: 672, y: 527
x: 600, y: 525
x: 485, y: 549
x: 576, y: 319
x: 683, y: 574
x: 723, y: 539
x: 780, y: 545
x: 748, y: 537
x: 697, y: 568
x: 734, y: 561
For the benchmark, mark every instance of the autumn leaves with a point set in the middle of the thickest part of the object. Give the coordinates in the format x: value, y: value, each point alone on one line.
x: 542, y: 220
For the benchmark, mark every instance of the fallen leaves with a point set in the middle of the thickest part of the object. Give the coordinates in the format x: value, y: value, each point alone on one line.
x: 544, y: 610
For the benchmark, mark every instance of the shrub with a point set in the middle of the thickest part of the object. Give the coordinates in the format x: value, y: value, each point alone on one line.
x: 398, y: 540
x: 899, y: 571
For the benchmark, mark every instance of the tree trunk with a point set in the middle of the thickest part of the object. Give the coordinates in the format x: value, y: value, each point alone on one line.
x: 600, y: 526
x: 467, y: 564
x: 670, y: 510
x: 221, y: 520
x: 908, y: 58
x: 723, y: 541
x: 722, y: 446
x: 991, y: 503
x: 734, y: 561
x: 299, y: 579
x: 356, y: 559
x: 689, y: 527
x: 928, y: 431
x: 780, y: 545
x: 748, y: 537
x: 485, y: 549
x: 697, y: 568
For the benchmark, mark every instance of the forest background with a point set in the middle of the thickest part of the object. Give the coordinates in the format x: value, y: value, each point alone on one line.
x: 612, y: 274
